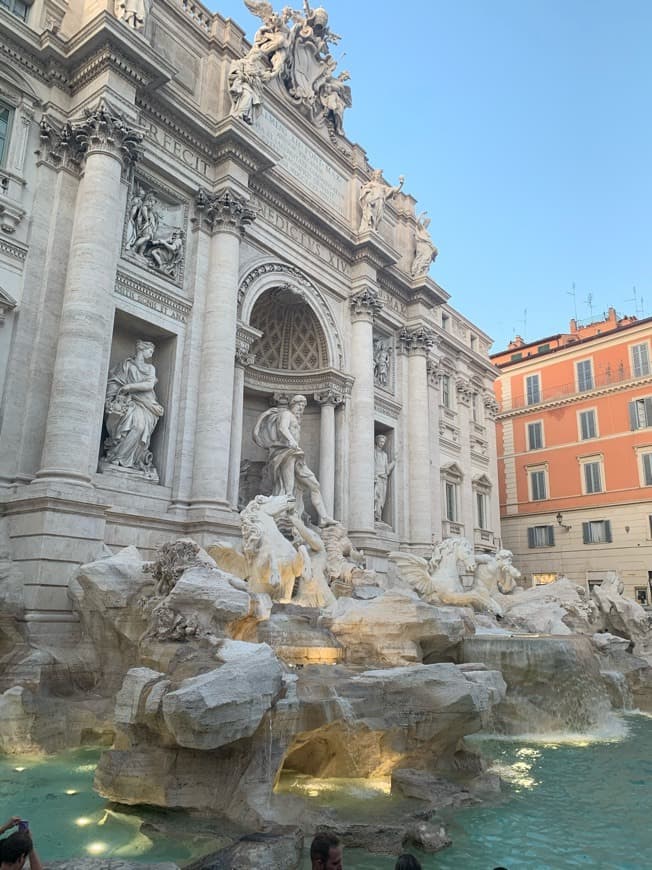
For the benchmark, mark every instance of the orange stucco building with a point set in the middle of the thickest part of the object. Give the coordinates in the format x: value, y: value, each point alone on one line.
x: 574, y: 439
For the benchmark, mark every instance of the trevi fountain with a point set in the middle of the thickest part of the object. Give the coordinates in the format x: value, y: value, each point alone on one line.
x: 254, y: 588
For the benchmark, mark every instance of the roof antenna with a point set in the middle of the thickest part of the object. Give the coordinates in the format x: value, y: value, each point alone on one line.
x: 589, y: 302
x: 574, y: 295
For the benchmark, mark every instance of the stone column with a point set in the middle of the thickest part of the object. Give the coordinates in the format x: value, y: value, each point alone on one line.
x: 434, y: 382
x: 328, y: 401
x: 72, y: 434
x: 224, y: 215
x: 491, y: 408
x: 418, y: 343
x: 364, y: 305
x: 245, y: 337
x: 464, y: 393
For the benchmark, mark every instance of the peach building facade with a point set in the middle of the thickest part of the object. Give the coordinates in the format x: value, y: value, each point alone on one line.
x: 574, y: 437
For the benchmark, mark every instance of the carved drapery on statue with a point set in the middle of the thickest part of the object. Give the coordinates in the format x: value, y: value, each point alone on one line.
x: 425, y: 251
x: 373, y: 197
x: 383, y: 469
x: 278, y: 431
x: 293, y: 48
x: 132, y: 412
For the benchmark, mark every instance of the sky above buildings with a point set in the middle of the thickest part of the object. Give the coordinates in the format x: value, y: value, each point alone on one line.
x: 524, y: 128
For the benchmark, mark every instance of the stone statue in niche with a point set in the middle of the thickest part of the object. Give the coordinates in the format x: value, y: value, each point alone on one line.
x: 150, y: 236
x: 133, y: 12
x: 373, y: 196
x: 382, y: 362
x: 132, y: 412
x: 383, y: 469
x: 278, y: 431
x: 425, y: 251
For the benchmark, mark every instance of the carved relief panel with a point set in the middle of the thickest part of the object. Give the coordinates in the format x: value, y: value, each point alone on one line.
x: 155, y: 230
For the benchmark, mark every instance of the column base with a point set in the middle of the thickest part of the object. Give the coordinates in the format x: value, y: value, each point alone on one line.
x: 52, y: 528
x: 62, y: 475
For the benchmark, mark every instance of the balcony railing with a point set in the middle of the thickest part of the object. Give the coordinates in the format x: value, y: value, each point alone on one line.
x: 564, y: 391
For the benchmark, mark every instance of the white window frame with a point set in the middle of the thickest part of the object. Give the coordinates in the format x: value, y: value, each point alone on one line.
x: 595, y: 459
x: 526, y: 378
x: 451, y: 475
x: 548, y: 534
x: 641, y: 453
x: 593, y: 411
x: 606, y: 526
x: 581, y: 362
x: 527, y: 434
x: 642, y: 404
x: 534, y: 469
x: 632, y: 347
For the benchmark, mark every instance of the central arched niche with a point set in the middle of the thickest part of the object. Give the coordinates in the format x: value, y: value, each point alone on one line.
x: 292, y: 338
x: 292, y: 341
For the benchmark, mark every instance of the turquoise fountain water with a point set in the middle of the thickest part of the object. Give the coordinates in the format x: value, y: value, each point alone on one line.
x: 69, y: 820
x: 577, y: 804
x: 581, y: 803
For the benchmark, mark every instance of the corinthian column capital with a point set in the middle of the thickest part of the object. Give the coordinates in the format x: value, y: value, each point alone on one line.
x: 366, y: 304
x: 103, y: 129
x: 418, y: 340
x: 223, y: 211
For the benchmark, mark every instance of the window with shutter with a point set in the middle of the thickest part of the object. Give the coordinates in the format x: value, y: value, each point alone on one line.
x: 538, y: 485
x: 532, y: 389
x: 584, y: 375
x: 588, y: 426
x: 535, y: 435
x: 597, y: 532
x: 540, y: 536
x: 640, y: 360
x: 640, y: 413
x: 592, y: 477
x: 647, y: 468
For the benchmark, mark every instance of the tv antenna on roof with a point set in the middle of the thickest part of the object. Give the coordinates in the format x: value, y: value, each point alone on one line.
x: 574, y: 295
x: 639, y: 308
x: 589, y: 302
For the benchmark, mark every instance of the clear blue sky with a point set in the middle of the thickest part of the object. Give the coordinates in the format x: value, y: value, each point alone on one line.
x: 524, y: 127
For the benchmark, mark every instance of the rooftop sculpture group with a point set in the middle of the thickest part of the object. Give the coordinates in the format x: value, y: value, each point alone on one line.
x: 291, y: 47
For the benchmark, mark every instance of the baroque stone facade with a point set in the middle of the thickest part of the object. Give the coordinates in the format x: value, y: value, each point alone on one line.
x: 195, y: 196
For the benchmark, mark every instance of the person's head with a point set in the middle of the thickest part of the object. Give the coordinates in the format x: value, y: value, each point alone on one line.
x: 298, y: 404
x: 15, y: 849
x: 145, y: 347
x: 407, y: 862
x: 326, y: 852
x: 380, y: 440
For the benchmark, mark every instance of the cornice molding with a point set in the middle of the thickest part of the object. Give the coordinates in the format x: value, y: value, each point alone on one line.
x: 561, y: 401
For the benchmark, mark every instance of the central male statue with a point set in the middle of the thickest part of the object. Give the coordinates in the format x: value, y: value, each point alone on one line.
x: 278, y: 431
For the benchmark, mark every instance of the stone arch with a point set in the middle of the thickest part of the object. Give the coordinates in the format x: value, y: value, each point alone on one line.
x: 277, y: 276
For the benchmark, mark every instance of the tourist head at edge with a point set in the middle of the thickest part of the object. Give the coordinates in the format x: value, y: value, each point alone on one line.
x: 17, y: 847
x: 326, y: 852
x: 407, y: 862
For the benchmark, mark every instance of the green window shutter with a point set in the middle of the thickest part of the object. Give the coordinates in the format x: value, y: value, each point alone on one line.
x: 530, y: 538
x: 607, y: 531
x: 633, y: 416
x: 586, y: 534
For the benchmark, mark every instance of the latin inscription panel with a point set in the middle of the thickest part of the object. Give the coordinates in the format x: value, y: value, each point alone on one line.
x: 304, y: 164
